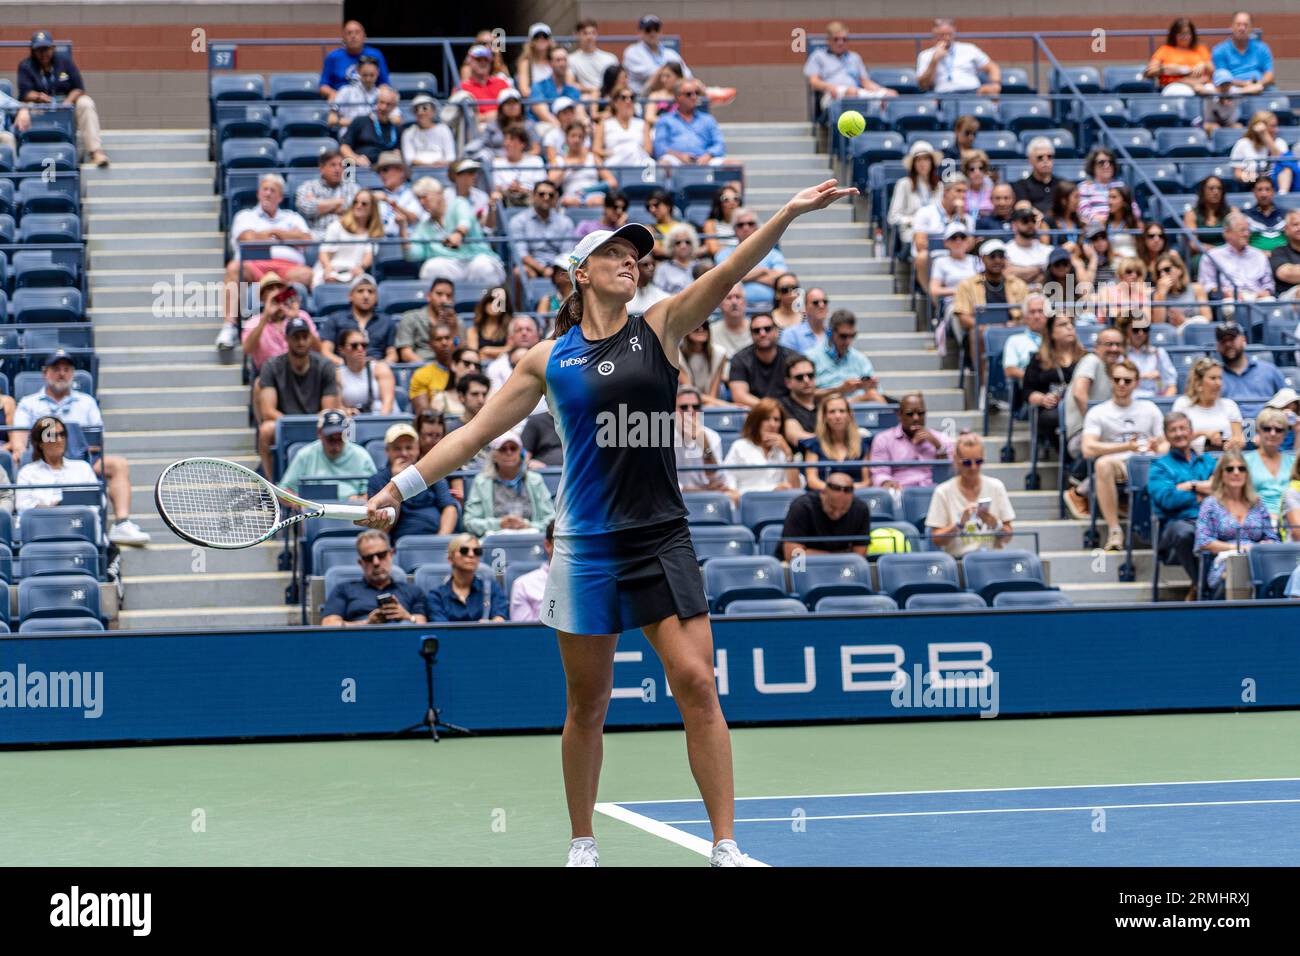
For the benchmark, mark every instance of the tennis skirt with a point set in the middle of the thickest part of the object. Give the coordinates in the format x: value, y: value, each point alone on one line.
x: 610, y: 583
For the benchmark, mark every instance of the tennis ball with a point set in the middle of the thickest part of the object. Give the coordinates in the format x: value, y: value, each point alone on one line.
x: 851, y: 123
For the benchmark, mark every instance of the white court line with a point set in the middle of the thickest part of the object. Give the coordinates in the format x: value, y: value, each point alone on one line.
x: 663, y: 830
x: 946, y: 813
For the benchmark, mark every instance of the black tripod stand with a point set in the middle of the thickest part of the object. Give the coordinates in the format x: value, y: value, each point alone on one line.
x: 432, y: 721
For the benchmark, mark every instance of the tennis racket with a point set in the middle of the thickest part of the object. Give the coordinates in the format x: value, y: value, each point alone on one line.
x: 221, y: 504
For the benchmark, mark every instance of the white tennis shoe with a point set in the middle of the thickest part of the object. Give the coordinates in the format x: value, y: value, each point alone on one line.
x: 129, y: 533
x: 726, y: 853
x: 228, y: 337
x: 583, y: 852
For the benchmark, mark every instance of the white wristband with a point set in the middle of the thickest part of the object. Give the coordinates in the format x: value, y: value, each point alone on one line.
x: 410, y: 482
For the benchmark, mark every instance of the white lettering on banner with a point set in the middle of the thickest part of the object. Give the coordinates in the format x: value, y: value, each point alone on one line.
x: 80, y: 690
x: 802, y: 687
x: 850, y: 668
x: 102, y: 909
x: 938, y: 665
x: 627, y: 693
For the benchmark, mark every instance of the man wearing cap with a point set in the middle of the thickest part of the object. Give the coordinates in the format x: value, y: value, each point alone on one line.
x: 379, y: 328
x: 322, y: 200
x: 355, y: 603
x: 50, y: 77
x: 398, y: 206
x: 1236, y: 270
x: 432, y: 511
x: 551, y: 138
x: 331, y: 455
x: 540, y: 234
x: 1039, y: 186
x: 415, y: 327
x: 687, y: 136
x: 299, y: 382
x: 558, y: 84
x: 992, y: 287
x: 264, y: 335
x: 1244, y: 376
x: 359, y: 97
x: 506, y: 496
x: 464, y: 173
x: 484, y: 85
x: 427, y: 144
x: 1026, y: 255
x: 834, y: 71
x: 60, y: 399
x: 1247, y: 60
x: 643, y: 58
x: 340, y: 66
x: 1222, y: 111
x: 588, y: 62
x: 375, y: 133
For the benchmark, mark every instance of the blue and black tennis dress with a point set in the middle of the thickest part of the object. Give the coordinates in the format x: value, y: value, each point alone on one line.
x: 623, y: 556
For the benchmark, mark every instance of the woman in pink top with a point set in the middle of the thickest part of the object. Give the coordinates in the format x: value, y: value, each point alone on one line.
x: 263, y: 335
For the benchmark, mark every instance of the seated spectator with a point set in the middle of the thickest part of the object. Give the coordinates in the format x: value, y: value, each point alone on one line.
x: 800, y: 402
x: 835, y: 71
x: 623, y: 138
x: 1112, y: 432
x: 378, y: 132
x: 542, y: 445
x: 1290, y: 514
x: 1019, y: 350
x: 518, y: 171
x: 549, y: 304
x: 1101, y: 173
x: 1095, y: 261
x: 582, y: 179
x: 1153, y: 244
x: 758, y: 370
x: 415, y: 328
x: 551, y: 138
x: 809, y: 332
x: 322, y: 200
x: 50, y: 466
x: 264, y: 336
x: 732, y: 331
x: 980, y: 180
x: 398, y: 206
x: 428, y: 144
x: 589, y: 62
x: 1262, y: 153
x: 1270, y: 467
x: 1129, y: 296
x: 843, y: 369
x: 1267, y: 222
x: 22, y: 120
x: 687, y: 136
x: 933, y: 220
x: 1247, y: 60
x: 964, y: 129
x: 449, y: 242
x: 1174, y: 286
x: 540, y: 234
x: 915, y: 189
x: 560, y: 83
x: 1183, y: 65
x: 759, y: 281
x: 464, y: 173
x: 491, y: 327
x: 785, y: 298
x: 1224, y: 110
x: 366, y: 387
x: 50, y: 77
x: 832, y: 512
x: 836, y: 439
x: 703, y: 363
x: 506, y: 496
x: 1244, y: 376
x: 643, y: 58
x: 340, y: 66
x: 432, y: 428
x: 948, y: 272
x: 435, y: 377
x: 1062, y: 286
x: 445, y: 400
x: 331, y: 456
x: 379, y: 328
x: 263, y: 222
x: 462, y: 595
x: 1156, y: 373
x: 951, y: 66
x: 1285, y: 260
x: 357, y: 603
x: 676, y: 273
x: 432, y: 511
x: 534, y: 62
x: 1206, y: 217
x: 359, y: 97
x: 971, y: 511
x: 345, y: 254
x: 1232, y: 518
x: 613, y: 216
x: 1178, y: 483
x: 1027, y: 255
x: 482, y: 84
x: 647, y: 293
x: 991, y: 287
x: 528, y: 590
x: 524, y: 334
x: 761, y: 442
x: 490, y: 143
x: 1121, y: 221
x: 1064, y: 216
x: 1003, y: 208
x: 58, y: 399
x: 299, y: 382
x: 909, y: 440
x: 1089, y: 385
x: 696, y: 444
x: 1047, y: 376
x: 1039, y: 187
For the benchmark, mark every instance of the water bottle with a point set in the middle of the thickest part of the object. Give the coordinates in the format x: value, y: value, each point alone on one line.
x: 878, y: 245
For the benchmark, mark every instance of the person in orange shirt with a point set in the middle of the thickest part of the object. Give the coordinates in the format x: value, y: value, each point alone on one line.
x: 1183, y: 66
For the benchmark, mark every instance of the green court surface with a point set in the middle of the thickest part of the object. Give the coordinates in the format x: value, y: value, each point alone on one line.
x: 499, y: 800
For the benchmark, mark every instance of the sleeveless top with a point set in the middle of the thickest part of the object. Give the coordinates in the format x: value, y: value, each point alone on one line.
x: 613, y: 401
x: 353, y: 389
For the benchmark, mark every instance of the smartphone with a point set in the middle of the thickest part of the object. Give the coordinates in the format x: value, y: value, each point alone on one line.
x: 386, y: 600
x: 985, y: 504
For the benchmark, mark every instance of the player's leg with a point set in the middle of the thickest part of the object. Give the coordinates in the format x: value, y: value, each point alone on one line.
x: 686, y: 650
x: 589, y: 678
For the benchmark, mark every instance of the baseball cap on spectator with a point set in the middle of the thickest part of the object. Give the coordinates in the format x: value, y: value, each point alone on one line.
x: 991, y: 246
x: 510, y: 436
x: 538, y: 29
x: 649, y: 22
x: 41, y: 40
x: 332, y: 422
x: 295, y: 325
x: 479, y: 51
x: 1023, y: 214
x: 1094, y: 229
x: 916, y: 149
x: 400, y: 430
x: 1059, y: 254
x: 1222, y: 78
x: 421, y: 99
x: 955, y: 228
x: 509, y: 93
x: 561, y: 104
x: 269, y: 283
x: 465, y: 166
x: 1228, y: 330
x: 1283, y: 398
x: 364, y: 279
x: 561, y: 261
x: 58, y: 355
x: 389, y: 157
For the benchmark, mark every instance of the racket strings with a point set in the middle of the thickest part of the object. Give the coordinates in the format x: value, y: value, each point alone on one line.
x: 218, y: 504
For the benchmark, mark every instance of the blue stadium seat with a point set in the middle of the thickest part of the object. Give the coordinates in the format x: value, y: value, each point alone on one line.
x: 1086, y: 80
x: 902, y: 82
x: 6, y: 573
x: 1139, y: 141
x: 1015, y: 82
x: 7, y: 204
x: 1112, y: 110
x: 867, y: 149
x: 1201, y: 334
x: 981, y: 107
x: 236, y: 86
x: 403, y: 295
x: 709, y: 507
x: 61, y: 523
x: 998, y: 144
x: 294, y: 86
x: 26, y: 383
x: 722, y: 541
x: 955, y: 601
x: 43, y: 157
x: 760, y: 508
x: 912, y: 112
x: 7, y: 159
x: 8, y: 229
x: 1165, y: 176
x: 1127, y: 80
x: 50, y: 227
x: 300, y: 120
x: 1152, y: 112
x: 701, y: 183
x: 51, y: 126
x: 59, y: 595
x: 939, y: 139
x: 263, y: 153
x: 1195, y: 171
x: 59, y: 625
x: 1025, y: 113
x: 59, y: 557
x: 723, y: 419
x: 336, y: 574
x: 731, y: 579
x: 1278, y: 103
x: 389, y: 263
x: 776, y: 607
x: 37, y: 195
x: 375, y: 447
x: 1062, y: 141
x: 856, y: 604
x: 367, y: 428
x: 1271, y: 567
x: 1182, y: 141
x: 916, y: 505
x: 409, y: 85
x: 302, y: 152
x: 989, y: 573
x: 414, y: 550
x: 329, y: 553
x: 902, y: 575
x: 6, y: 465
x: 330, y: 297
x: 879, y: 500
x: 818, y: 576
x: 1224, y: 139
x: 875, y: 417
x: 46, y: 268
x: 47, y: 305
x: 511, y: 547
x: 1032, y: 599
x: 1162, y: 334
x: 243, y: 121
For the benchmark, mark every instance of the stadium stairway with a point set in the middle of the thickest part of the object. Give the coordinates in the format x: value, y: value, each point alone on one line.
x: 831, y: 249
x: 151, y: 219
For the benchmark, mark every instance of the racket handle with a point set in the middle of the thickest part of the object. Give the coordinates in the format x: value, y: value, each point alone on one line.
x: 352, y: 512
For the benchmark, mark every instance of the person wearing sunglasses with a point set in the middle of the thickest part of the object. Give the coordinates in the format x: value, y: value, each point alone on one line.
x: 1173, y: 285
x: 467, y: 594
x: 800, y: 404
x: 623, y: 138
x: 831, y: 520
x: 50, y: 465
x: 677, y: 272
x: 910, y: 440
x: 505, y: 495
x: 1039, y: 187
x: 1216, y: 419
x: 760, y: 280
x: 980, y: 180
x: 810, y: 332
x: 660, y: 205
x: 786, y: 302
x: 687, y: 136
x: 970, y: 511
x: 1156, y: 373
x: 1270, y: 466
x: 540, y: 234
x: 697, y: 444
x: 1152, y: 244
x: 613, y: 214
x: 1232, y: 518
x: 379, y: 596
x: 834, y: 71
x: 758, y: 371
x: 333, y: 456
x: 367, y: 387
x: 643, y: 58
x: 842, y: 368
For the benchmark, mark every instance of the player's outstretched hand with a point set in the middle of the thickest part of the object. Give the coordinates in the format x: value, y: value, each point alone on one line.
x: 819, y: 196
x: 381, y: 511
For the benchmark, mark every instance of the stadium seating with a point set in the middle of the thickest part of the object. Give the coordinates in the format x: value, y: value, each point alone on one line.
x: 903, y: 575
x: 781, y: 607
x: 1271, y: 566
x: 59, y: 625
x: 819, y: 576
x: 989, y: 573
x: 956, y: 601
x: 72, y: 596
x: 59, y: 557
x: 730, y: 579
x: 722, y: 541
x: 1032, y: 599
x: 856, y: 604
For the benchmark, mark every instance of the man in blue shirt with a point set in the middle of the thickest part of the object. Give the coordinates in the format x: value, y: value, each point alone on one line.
x: 554, y: 86
x: 1249, y: 60
x: 841, y: 369
x: 1178, y: 483
x: 340, y: 67
x: 809, y: 334
x: 50, y: 77
x: 1244, y: 377
x: 432, y: 511
x: 762, y: 278
x: 463, y: 595
x: 687, y: 136
x: 356, y: 603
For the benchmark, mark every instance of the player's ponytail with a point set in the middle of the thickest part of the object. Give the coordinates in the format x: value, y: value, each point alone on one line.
x: 570, y: 314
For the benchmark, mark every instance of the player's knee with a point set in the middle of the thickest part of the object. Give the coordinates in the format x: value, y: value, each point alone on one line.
x: 694, y: 686
x: 587, y: 708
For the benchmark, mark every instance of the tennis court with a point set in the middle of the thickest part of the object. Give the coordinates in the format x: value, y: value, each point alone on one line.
x: 1175, y: 789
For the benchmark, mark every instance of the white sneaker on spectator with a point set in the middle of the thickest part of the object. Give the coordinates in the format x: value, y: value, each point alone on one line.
x: 726, y: 853
x: 228, y: 337
x: 583, y: 852
x: 128, y: 532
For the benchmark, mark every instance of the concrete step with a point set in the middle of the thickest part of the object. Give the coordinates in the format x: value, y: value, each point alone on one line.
x: 850, y: 285
x: 1041, y: 505
x: 186, y: 376
x: 768, y: 203
x: 194, y: 618
x: 160, y: 259
x: 206, y: 589
x: 140, y: 278
x: 160, y: 205
x: 143, y: 151
x: 792, y: 179
x: 943, y: 402
x: 120, y: 399
x: 165, y: 415
x: 1090, y: 567
x: 154, y: 315
x: 752, y: 130
x: 220, y: 442
x: 124, y: 239
x: 898, y: 381
x: 819, y: 267
x: 1052, y: 535
x: 145, y: 171
x: 157, y: 296
x: 146, y: 222
x: 1013, y: 474
x: 149, y: 137
x: 161, y: 358
x: 816, y: 230
x: 150, y: 187
x: 147, y: 466
x: 800, y: 247
x: 909, y: 360
x: 798, y: 148
x: 1137, y: 592
x: 875, y: 314
x: 772, y: 162
x: 166, y: 558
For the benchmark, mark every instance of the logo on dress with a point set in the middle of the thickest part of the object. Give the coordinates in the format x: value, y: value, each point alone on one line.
x: 636, y: 346
x: 605, y: 368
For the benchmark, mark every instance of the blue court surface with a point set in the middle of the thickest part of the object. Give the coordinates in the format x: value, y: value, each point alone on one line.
x: 1198, y: 823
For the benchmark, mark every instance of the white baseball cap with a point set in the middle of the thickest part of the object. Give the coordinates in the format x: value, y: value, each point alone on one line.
x: 634, y: 232
x: 509, y: 93
x: 561, y: 104
x: 991, y: 246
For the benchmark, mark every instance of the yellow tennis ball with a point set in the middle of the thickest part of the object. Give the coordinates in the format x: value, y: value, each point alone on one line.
x: 851, y: 123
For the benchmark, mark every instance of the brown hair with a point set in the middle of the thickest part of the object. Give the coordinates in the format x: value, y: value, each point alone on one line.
x: 39, y: 428
x: 852, y: 437
x: 757, y: 415
x: 374, y: 228
x: 1232, y: 456
x: 570, y: 313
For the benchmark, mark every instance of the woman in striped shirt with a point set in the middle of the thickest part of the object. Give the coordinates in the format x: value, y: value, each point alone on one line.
x: 1102, y: 169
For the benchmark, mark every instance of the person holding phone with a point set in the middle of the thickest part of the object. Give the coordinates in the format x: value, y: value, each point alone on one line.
x: 972, y: 511
x: 378, y: 597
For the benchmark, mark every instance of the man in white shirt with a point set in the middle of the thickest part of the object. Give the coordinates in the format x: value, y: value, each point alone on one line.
x: 1026, y: 256
x: 588, y: 62
x: 643, y: 58
x: 264, y: 222
x: 647, y: 293
x: 933, y: 218
x: 60, y: 400
x: 399, y: 203
x: 427, y: 142
x: 732, y: 332
x: 526, y: 593
x: 1019, y: 350
x: 952, y: 67
x: 517, y: 172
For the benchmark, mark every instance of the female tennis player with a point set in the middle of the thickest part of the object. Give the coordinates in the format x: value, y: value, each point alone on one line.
x: 622, y: 556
